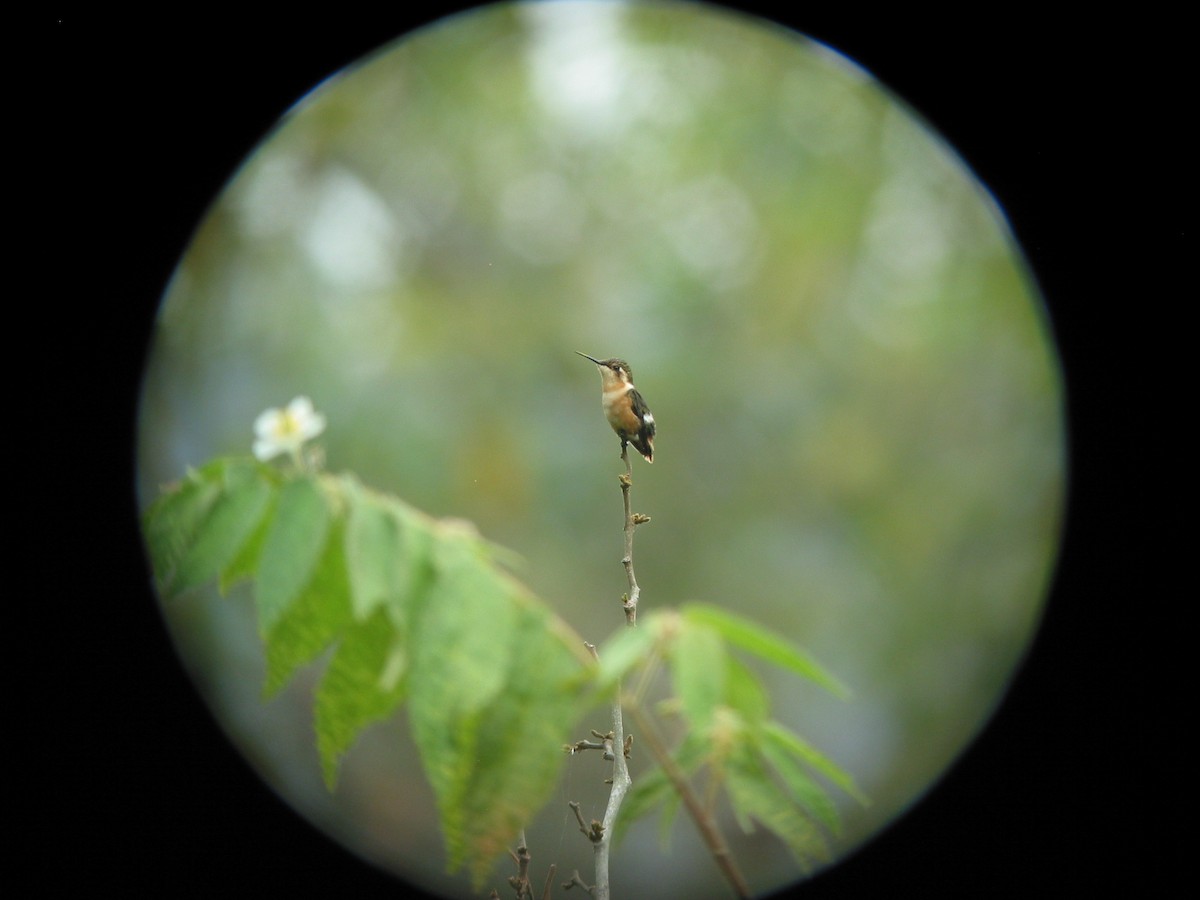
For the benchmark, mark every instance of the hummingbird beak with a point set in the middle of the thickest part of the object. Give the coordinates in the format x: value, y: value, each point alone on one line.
x: 585, y: 356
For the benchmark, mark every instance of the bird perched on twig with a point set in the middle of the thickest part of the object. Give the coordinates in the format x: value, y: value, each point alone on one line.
x: 624, y: 407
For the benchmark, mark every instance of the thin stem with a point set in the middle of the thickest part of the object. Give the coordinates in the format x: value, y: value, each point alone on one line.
x: 701, y: 814
x: 549, y: 884
x: 635, y: 592
x: 621, y: 781
x: 704, y: 820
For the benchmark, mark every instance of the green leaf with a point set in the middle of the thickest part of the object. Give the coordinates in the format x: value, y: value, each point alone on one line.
x: 418, y: 611
x: 629, y: 648
x: 804, y: 791
x: 383, y: 551
x: 293, y: 546
x: 488, y: 699
x: 521, y: 735
x: 653, y: 787
x: 245, y: 564
x: 744, y: 691
x: 727, y: 708
x: 238, y: 511
x: 171, y: 524
x: 363, y: 684
x: 755, y: 639
x: 647, y: 792
x: 697, y: 658
x: 755, y: 795
x: 788, y: 742
x: 462, y: 645
x: 313, y: 619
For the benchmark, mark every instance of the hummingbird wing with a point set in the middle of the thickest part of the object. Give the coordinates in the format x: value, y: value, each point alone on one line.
x: 643, y: 441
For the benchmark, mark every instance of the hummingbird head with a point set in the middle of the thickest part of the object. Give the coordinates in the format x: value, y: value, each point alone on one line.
x: 615, y: 371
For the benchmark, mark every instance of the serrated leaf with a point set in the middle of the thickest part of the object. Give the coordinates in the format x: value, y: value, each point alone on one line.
x: 462, y: 645
x: 521, y: 733
x: 362, y: 685
x: 410, y: 604
x: 239, y: 509
x: 764, y: 644
x: 312, y: 621
x: 245, y: 563
x: 464, y: 624
x: 293, y: 545
x: 377, y: 555
x: 793, y: 744
x: 488, y: 701
x: 697, y: 660
x: 171, y: 523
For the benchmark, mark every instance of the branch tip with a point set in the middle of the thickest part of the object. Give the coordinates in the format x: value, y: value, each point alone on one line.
x: 576, y: 881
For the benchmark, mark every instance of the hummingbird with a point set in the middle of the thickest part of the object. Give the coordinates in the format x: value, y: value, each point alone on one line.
x: 624, y: 407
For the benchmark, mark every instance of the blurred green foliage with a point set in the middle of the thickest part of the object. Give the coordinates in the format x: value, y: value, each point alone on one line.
x: 418, y: 614
x: 859, y: 406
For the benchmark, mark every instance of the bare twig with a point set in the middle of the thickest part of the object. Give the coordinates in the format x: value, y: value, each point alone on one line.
x: 704, y: 818
x: 601, y: 833
x: 520, y: 882
x: 546, y: 888
x: 632, y: 520
x: 603, y: 741
x: 593, y: 832
x: 576, y: 881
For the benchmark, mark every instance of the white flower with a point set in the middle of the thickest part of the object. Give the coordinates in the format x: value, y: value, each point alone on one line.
x: 285, y: 430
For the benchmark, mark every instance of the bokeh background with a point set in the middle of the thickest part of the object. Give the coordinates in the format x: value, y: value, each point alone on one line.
x: 860, y: 409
